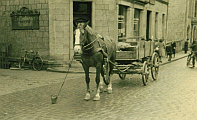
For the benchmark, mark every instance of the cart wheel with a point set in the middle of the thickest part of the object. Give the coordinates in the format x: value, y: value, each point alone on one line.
x: 155, y: 66
x: 37, y: 63
x: 145, y: 73
x: 122, y: 75
x: 106, y: 73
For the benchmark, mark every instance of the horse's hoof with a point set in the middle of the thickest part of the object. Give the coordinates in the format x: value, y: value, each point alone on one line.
x: 96, y: 98
x: 87, y: 97
x: 109, y: 90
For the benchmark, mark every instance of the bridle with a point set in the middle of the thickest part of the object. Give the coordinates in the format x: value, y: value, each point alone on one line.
x: 86, y: 47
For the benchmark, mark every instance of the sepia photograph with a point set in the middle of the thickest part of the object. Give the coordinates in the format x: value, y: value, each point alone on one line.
x: 98, y: 59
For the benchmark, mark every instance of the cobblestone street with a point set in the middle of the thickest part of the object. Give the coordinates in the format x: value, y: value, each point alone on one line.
x: 172, y: 96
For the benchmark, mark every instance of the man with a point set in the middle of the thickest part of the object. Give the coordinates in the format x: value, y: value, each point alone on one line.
x: 186, y: 46
x: 173, y: 47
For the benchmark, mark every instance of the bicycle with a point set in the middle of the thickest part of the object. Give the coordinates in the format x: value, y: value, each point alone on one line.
x: 32, y: 59
x: 191, y: 59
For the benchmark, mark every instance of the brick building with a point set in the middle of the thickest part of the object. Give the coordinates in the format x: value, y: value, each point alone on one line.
x: 51, y: 33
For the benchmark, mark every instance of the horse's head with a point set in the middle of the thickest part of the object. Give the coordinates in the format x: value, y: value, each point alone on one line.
x: 81, y: 38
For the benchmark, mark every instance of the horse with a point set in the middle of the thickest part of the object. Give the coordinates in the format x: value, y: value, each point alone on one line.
x: 93, y: 49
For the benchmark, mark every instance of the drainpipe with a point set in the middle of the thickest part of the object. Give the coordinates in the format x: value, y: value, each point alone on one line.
x: 167, y: 21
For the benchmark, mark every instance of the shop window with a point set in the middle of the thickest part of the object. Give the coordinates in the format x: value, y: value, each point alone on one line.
x: 122, y: 19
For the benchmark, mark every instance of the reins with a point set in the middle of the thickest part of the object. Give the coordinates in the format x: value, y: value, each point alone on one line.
x: 90, y: 44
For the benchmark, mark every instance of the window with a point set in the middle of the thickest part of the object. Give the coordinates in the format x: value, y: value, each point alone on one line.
x: 195, y: 12
x: 82, y: 11
x: 163, y: 25
x: 156, y: 24
x: 136, y: 22
x: 122, y: 17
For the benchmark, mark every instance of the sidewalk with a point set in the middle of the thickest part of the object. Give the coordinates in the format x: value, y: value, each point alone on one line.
x: 76, y: 66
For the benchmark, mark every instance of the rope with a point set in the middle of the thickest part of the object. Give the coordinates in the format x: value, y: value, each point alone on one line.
x: 65, y: 77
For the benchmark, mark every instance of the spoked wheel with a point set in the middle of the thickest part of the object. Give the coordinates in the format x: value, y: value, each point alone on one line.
x: 106, y: 73
x: 21, y: 62
x: 155, y: 66
x: 122, y: 75
x: 37, y: 63
x: 145, y: 73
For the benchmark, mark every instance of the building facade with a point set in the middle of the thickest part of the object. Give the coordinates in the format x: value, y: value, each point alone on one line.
x: 51, y: 32
x: 192, y: 15
x: 179, y: 22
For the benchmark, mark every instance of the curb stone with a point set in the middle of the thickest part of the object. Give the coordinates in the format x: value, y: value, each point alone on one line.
x: 73, y: 71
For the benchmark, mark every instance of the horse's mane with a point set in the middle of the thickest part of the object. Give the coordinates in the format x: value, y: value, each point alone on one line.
x: 90, y: 30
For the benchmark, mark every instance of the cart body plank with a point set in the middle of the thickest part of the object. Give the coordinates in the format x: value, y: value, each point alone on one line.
x: 137, y: 51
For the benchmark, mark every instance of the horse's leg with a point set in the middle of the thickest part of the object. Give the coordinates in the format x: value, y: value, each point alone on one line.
x: 86, y: 69
x: 109, y: 87
x: 98, y: 72
x: 101, y: 82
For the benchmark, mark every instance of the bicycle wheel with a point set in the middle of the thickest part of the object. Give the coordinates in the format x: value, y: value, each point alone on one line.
x: 188, y: 60
x: 37, y: 63
x: 21, y: 62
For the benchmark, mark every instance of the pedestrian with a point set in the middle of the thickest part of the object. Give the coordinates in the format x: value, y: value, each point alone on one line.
x: 173, y: 47
x: 161, y: 47
x: 186, y: 46
x: 169, y: 51
x: 193, y: 47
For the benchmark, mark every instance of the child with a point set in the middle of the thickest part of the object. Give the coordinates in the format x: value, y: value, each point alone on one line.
x: 169, y: 51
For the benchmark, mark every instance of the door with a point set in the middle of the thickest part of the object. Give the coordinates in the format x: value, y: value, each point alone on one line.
x: 82, y: 12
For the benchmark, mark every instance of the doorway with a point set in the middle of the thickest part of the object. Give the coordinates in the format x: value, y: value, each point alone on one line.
x: 148, y: 25
x: 82, y: 12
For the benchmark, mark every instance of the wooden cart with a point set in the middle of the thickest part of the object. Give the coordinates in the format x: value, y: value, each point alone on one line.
x: 140, y: 59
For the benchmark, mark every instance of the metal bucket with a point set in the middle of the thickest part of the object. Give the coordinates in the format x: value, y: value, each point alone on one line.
x: 54, y: 99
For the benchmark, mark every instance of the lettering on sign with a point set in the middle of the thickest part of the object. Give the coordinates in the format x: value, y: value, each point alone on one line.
x: 25, y: 19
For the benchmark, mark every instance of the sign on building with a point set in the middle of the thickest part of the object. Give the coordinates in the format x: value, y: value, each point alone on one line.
x: 25, y: 19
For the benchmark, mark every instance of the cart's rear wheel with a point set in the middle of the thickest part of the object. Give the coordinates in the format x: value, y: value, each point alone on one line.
x: 122, y: 75
x: 155, y: 66
x: 145, y: 73
x: 37, y: 63
x: 106, y: 73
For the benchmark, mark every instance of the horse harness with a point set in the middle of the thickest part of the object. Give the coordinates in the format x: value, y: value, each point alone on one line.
x: 102, y: 46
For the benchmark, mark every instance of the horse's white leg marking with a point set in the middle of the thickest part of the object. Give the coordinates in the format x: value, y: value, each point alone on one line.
x: 87, y: 97
x: 97, y: 96
x: 109, y: 87
x: 101, y: 86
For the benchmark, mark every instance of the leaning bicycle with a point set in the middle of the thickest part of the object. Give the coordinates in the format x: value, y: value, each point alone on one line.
x: 31, y: 59
x: 191, y: 59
